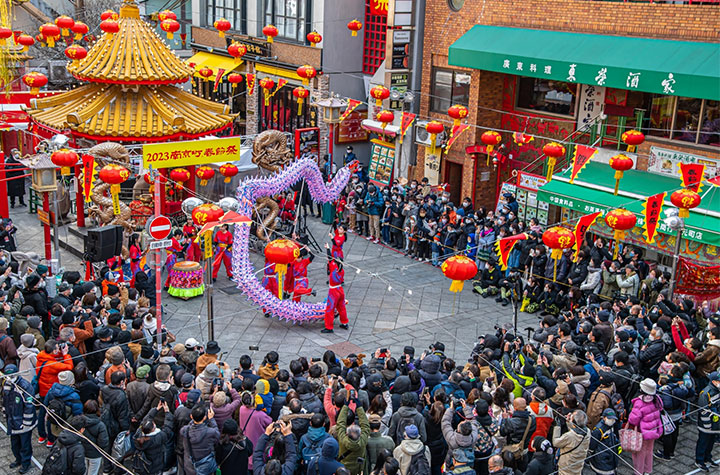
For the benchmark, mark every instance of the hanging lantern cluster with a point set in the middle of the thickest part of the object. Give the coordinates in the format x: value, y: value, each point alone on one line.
x: 234, y: 79
x: 457, y: 113
x: 620, y: 163
x: 206, y: 213
x: 205, y: 173
x: 35, y: 80
x: 114, y: 175
x: 557, y: 239
x: 632, y: 139
x: 110, y: 26
x: 306, y: 73
x: 385, y: 117
x: 169, y: 26
x: 434, y: 128
x: 65, y: 23
x: 179, y: 176
x: 281, y: 252
x: 50, y: 32
x: 314, y: 38
x: 620, y: 220
x: 685, y: 200
x: 267, y: 85
x: 80, y: 29
x: 26, y: 41
x: 354, y: 26
x: 222, y: 25
x: 270, y: 31
x: 237, y: 51
x: 459, y: 269
x: 167, y: 15
x: 64, y: 158
x: 553, y: 151
x: 300, y: 94
x: 228, y: 170
x: 490, y: 138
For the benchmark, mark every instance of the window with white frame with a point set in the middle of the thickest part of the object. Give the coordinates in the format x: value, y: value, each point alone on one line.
x: 290, y: 17
x: 232, y: 10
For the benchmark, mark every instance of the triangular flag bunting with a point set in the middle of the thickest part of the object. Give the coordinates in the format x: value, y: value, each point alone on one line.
x: 582, y: 156
x: 406, y: 122
x: 454, y: 134
x: 351, y: 106
x: 250, y: 81
x: 88, y: 168
x: 652, y: 210
x: 581, y: 228
x: 505, y: 245
x: 218, y: 77
x: 692, y: 175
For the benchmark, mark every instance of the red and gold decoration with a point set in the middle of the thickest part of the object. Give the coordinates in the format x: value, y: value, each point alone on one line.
x: 355, y: 26
x: 406, y: 120
x: 300, y: 94
x: 205, y: 173
x: 581, y: 157
x: 379, y: 93
x: 490, y: 138
x: 692, y: 175
x: 521, y: 138
x: 206, y: 213
x: 351, y: 106
x: 456, y: 131
x: 685, y: 200
x: 504, y: 246
x: 281, y: 252
x: 581, y: 227
x: 558, y: 239
x: 5, y: 33
x: 237, y: 51
x: 179, y: 176
x: 34, y: 80
x: 111, y: 26
x: 632, y: 139
x: 205, y: 73
x: 228, y: 170
x: 702, y: 282
x: 167, y: 15
x: 65, y: 23
x: 459, y: 269
x: 434, y: 128
x: 169, y: 26
x: 652, y: 210
x: 314, y: 38
x: 80, y: 29
x: 112, y: 15
x: 457, y: 113
x: 75, y: 52
x: 553, y: 151
x: 89, y: 173
x: 222, y: 25
x: 50, y: 33
x: 620, y: 220
x: 250, y: 83
x: 385, y: 117
x: 26, y: 41
x: 235, y: 79
x: 620, y: 163
x: 64, y: 158
x: 270, y: 31
x: 267, y: 85
x: 114, y: 175
x: 306, y: 72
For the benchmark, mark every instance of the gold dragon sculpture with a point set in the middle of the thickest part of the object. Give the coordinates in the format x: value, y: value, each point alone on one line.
x: 271, y: 153
x: 102, y: 208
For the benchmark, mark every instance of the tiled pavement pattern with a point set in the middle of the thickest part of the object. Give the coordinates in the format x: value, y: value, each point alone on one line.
x: 393, y: 302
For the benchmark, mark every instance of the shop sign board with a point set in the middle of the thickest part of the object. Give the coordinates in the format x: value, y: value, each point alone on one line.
x: 665, y: 161
x: 191, y: 152
x: 592, y: 100
x: 432, y: 168
x: 530, y: 181
x: 382, y: 162
x: 350, y: 129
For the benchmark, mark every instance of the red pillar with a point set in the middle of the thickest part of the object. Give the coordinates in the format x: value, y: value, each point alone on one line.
x: 79, y: 199
x: 191, y: 182
x: 163, y: 182
x: 4, y: 200
x: 46, y: 228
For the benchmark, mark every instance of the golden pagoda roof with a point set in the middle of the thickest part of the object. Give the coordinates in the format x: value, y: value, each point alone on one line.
x: 139, y: 113
x: 133, y: 55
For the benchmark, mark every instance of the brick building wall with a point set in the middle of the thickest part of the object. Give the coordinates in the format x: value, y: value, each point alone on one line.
x: 444, y: 26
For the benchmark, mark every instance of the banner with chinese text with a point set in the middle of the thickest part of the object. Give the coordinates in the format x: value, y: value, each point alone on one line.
x: 581, y: 228
x: 691, y: 175
x: 652, y: 208
x: 582, y: 156
x: 193, y: 152
x: 504, y: 246
x: 700, y: 281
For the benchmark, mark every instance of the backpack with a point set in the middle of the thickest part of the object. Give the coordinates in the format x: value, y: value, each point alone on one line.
x: 633, y: 387
x: 616, y: 403
x: 111, y: 423
x: 419, y: 464
x: 312, y: 450
x: 137, y: 462
x: 401, y: 425
x: 59, y: 411
x: 35, y: 383
x: 56, y: 462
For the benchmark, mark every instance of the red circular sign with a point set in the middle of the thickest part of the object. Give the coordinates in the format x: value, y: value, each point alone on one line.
x: 160, y: 227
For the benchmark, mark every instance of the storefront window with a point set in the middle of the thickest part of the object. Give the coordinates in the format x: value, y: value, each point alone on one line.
x: 710, y: 128
x: 661, y: 115
x: 542, y: 95
x: 687, y: 118
x: 289, y: 16
x: 448, y: 88
x: 231, y: 10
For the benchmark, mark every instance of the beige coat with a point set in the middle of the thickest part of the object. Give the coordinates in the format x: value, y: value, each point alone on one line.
x: 573, y: 449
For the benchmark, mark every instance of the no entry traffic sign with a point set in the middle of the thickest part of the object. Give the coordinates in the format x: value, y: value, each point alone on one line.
x: 159, y: 227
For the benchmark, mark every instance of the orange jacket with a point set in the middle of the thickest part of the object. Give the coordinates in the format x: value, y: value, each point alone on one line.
x: 53, y: 366
x: 81, y: 334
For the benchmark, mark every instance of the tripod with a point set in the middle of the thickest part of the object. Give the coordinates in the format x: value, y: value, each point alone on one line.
x: 301, y: 223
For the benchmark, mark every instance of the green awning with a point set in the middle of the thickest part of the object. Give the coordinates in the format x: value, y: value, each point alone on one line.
x: 593, y: 191
x: 677, y: 68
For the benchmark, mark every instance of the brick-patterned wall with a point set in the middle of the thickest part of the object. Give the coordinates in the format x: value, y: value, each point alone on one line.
x: 643, y: 150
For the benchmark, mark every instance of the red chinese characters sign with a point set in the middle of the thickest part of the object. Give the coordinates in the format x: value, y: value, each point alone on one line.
x: 379, y: 7
x: 652, y: 211
x: 194, y: 152
x: 700, y: 281
x: 350, y: 129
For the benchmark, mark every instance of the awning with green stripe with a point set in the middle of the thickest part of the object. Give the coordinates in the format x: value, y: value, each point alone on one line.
x: 677, y: 68
x: 593, y: 191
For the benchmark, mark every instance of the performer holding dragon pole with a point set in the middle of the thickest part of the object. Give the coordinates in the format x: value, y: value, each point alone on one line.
x: 223, y: 241
x: 336, y: 294
x: 338, y: 240
x: 174, y: 253
x: 299, y: 270
x: 190, y: 233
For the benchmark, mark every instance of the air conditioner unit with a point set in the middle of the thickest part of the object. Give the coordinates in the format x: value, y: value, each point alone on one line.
x: 422, y: 137
x: 59, y: 72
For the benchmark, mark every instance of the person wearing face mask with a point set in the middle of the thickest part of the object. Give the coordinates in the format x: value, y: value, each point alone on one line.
x: 349, y: 156
x: 374, y: 210
x: 573, y: 444
x: 645, y: 416
x: 361, y: 211
x: 602, y: 460
x: 708, y: 422
x: 20, y: 416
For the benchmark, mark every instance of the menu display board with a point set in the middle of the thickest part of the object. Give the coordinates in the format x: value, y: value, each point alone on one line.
x: 382, y: 161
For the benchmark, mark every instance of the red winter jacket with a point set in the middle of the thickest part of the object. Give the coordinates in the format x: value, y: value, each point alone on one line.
x: 53, y: 366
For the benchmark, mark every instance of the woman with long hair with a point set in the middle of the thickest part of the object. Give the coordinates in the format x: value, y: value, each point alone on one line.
x: 383, y: 456
x: 381, y: 405
x: 435, y: 440
x: 251, y: 421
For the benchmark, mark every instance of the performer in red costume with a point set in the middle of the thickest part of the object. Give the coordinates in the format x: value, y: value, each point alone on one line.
x: 135, y: 256
x: 336, y: 294
x: 193, y: 248
x: 299, y: 270
x: 223, y: 252
x: 338, y: 240
x: 286, y: 203
x: 174, y: 252
x: 269, y: 281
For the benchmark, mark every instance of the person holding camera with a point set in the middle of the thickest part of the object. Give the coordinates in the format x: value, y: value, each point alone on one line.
x: 281, y: 457
x: 353, y: 438
x: 199, y: 438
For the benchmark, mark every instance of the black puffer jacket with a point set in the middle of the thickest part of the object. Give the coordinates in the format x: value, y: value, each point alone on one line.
x: 430, y: 370
x: 115, y: 398
x: 514, y: 428
x: 153, y: 444
x: 75, y: 452
x: 541, y: 464
x: 159, y: 391
x: 96, y: 431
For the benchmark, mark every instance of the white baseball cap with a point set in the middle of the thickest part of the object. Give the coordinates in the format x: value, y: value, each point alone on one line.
x: 191, y: 343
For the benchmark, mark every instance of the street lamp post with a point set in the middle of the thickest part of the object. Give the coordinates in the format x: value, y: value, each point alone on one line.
x: 331, y: 110
x: 677, y: 224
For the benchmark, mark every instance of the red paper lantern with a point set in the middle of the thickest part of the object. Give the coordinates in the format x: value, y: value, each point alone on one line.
x: 267, y: 85
x: 207, y: 213
x: 620, y: 220
x: 457, y: 113
x: 65, y: 23
x: 75, y: 52
x: 270, y: 31
x: 434, y: 128
x: 167, y: 15
x: 685, y: 200
x: 300, y: 94
x: 490, y: 138
x: 80, y: 29
x: 222, y: 25
x: 169, y: 26
x: 148, y: 179
x: 108, y: 15
x: 379, y: 93
x: 205, y: 173
x: 64, y: 158
x: 5, y: 33
x: 234, y: 79
x: 620, y: 163
x: 386, y: 117
x: 228, y: 170
x: 632, y: 138
x: 459, y: 269
x: 558, y: 238
x: 205, y: 72
x: 237, y: 51
x: 110, y: 27
x: 35, y: 80
x: 553, y: 151
x: 314, y: 38
x: 355, y: 26
x: 26, y: 41
x: 180, y: 176
x: 306, y: 72
x: 114, y: 175
x: 281, y: 252
x: 50, y: 32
